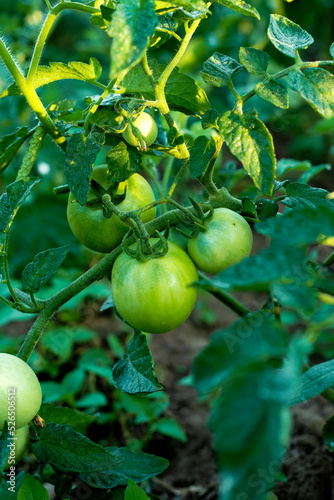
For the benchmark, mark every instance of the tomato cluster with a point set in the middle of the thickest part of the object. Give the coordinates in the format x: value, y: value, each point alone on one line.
x: 89, y: 223
x: 156, y: 295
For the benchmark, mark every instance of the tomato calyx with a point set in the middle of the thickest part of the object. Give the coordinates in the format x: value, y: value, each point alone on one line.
x: 99, y: 192
x: 195, y: 223
x: 144, y: 250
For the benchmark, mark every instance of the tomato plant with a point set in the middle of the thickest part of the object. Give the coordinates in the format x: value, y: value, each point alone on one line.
x: 155, y: 296
x: 89, y: 223
x: 147, y: 127
x: 20, y: 391
x: 94, y: 139
x: 227, y: 240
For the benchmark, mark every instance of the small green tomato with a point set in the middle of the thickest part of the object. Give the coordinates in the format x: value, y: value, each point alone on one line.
x: 147, y: 127
x: 155, y: 296
x: 227, y: 240
x: 20, y: 391
x: 17, y: 447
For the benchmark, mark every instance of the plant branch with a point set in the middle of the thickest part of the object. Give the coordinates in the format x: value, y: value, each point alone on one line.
x: 286, y: 71
x: 99, y: 271
x: 50, y: 18
x: 207, y: 178
x: 224, y: 297
x: 329, y: 261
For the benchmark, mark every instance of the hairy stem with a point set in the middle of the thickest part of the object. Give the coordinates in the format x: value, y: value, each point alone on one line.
x: 50, y: 18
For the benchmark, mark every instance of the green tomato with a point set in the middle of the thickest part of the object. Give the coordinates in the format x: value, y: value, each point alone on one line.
x: 20, y: 391
x: 147, y: 127
x: 155, y: 296
x: 227, y: 240
x: 17, y: 447
x: 88, y: 223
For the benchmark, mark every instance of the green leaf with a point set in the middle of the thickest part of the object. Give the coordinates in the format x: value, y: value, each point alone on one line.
x: 32, y: 489
x: 97, y: 361
x: 12, y: 198
x: 128, y: 464
x: 287, y: 36
x: 59, y: 71
x: 44, y: 265
x: 313, y: 382
x: 248, y: 206
x: 257, y: 272
x: 62, y: 415
x: 210, y: 119
x: 122, y: 161
x: 181, y: 91
x: 80, y: 157
x: 133, y: 492
x: 316, y: 86
x: 4, y: 449
x: 324, y: 126
x: 297, y: 296
x: 328, y: 433
x: 255, y: 337
x: 219, y: 69
x: 69, y: 451
x: 302, y: 195
x: 258, y: 435
x: 254, y: 60
x: 241, y: 7
x: 10, y: 144
x: 189, y: 5
x: 312, y: 223
x: 201, y: 153
x: 134, y: 373
x: 286, y: 165
x: 132, y: 25
x: 266, y: 208
x: 92, y: 400
x: 169, y: 427
x: 274, y: 92
x: 250, y: 141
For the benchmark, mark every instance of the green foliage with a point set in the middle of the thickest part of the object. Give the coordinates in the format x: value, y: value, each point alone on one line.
x: 316, y: 86
x: 287, y: 36
x: 132, y: 24
x: 219, y: 69
x: 250, y: 141
x: 81, y: 154
x: 58, y: 71
x: 134, y: 373
x: 201, y: 153
x: 123, y: 161
x: 100, y: 383
x: 254, y: 60
x: 44, y: 266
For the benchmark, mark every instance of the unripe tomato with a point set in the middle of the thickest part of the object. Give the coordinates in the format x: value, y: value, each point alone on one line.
x: 227, y: 240
x: 147, y: 126
x: 20, y: 391
x: 18, y: 448
x: 155, y: 296
x: 88, y: 223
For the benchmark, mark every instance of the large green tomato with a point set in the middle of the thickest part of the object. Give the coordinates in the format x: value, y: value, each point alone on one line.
x: 88, y: 223
x: 147, y: 127
x: 227, y: 240
x: 20, y: 391
x: 17, y: 447
x: 155, y: 296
